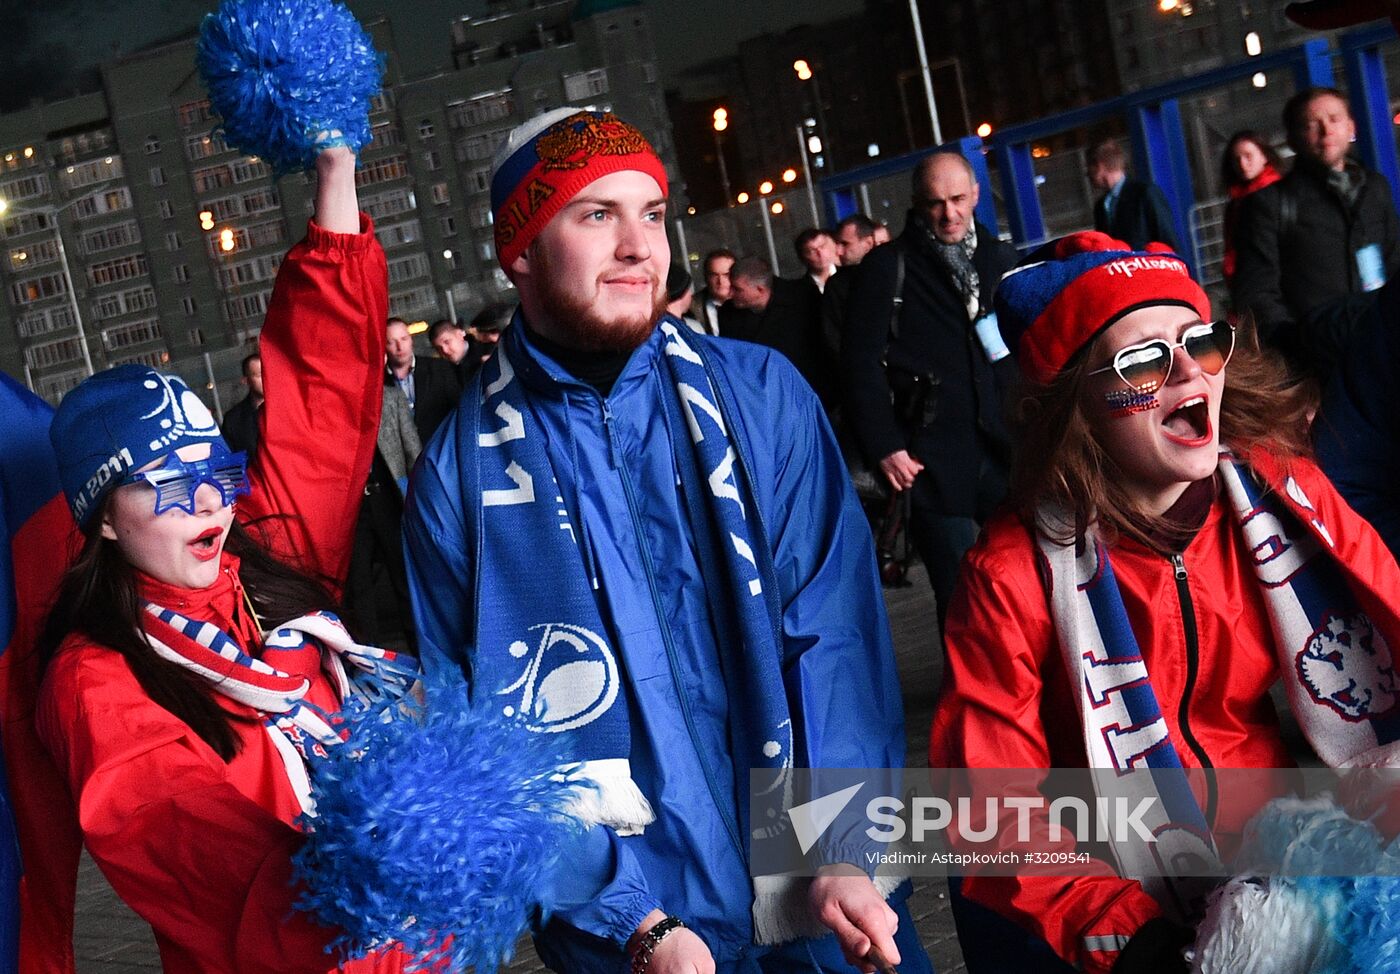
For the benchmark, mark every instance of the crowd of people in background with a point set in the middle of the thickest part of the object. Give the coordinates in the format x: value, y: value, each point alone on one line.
x: 900, y: 342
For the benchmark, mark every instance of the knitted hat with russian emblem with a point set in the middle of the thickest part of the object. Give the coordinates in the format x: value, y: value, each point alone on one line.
x: 1069, y: 291
x: 547, y: 161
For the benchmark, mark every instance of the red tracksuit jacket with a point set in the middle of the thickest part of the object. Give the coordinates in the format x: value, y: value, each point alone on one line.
x: 199, y: 848
x: 1007, y: 703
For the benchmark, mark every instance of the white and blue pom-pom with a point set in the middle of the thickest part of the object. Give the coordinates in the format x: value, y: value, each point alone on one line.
x: 285, y: 74
x: 440, y: 830
x: 1290, y: 915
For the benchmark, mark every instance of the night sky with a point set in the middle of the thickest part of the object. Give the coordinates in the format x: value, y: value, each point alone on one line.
x: 47, y: 48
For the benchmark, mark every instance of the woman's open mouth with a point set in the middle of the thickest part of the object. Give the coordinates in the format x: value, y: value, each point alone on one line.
x: 1189, y: 423
x: 206, y: 546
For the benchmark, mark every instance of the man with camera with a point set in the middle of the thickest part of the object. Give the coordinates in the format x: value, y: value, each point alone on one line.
x: 926, y: 369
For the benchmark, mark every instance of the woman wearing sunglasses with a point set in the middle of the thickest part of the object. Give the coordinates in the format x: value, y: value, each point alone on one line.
x: 1170, y: 551
x: 179, y: 728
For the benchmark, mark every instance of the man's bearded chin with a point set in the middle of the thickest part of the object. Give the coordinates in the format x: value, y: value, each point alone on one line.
x: 575, y: 323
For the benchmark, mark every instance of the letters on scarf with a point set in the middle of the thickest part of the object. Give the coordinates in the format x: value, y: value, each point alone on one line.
x: 298, y: 728
x: 543, y: 644
x: 1336, y: 665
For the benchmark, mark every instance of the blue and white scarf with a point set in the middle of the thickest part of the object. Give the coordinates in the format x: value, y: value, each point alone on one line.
x: 1336, y: 665
x: 544, y: 646
x: 299, y: 730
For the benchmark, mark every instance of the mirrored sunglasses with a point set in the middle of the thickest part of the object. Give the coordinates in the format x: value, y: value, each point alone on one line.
x: 177, y: 480
x: 1146, y: 367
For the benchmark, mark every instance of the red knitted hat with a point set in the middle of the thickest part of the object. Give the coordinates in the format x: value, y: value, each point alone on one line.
x: 1070, y: 290
x: 547, y: 161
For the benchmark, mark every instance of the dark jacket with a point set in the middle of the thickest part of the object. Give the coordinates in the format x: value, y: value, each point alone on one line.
x: 1297, y: 261
x: 697, y: 308
x: 935, y: 339
x: 835, y: 299
x: 436, y: 389
x: 1140, y: 216
x: 240, y: 427
x: 1357, y: 431
x: 791, y: 324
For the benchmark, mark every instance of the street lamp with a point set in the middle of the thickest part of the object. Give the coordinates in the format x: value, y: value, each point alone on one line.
x: 52, y: 212
x: 764, y: 189
x: 721, y: 122
x: 806, y: 171
x: 805, y: 73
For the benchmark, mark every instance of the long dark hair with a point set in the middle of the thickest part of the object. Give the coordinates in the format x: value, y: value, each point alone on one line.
x: 1229, y: 172
x: 98, y: 599
x: 1060, y: 460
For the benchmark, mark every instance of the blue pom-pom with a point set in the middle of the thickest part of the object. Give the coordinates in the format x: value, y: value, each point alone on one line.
x: 288, y: 77
x: 1307, y: 837
x: 440, y: 830
x: 1375, y: 934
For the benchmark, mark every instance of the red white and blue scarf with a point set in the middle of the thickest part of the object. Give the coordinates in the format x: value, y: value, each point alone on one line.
x: 300, y: 730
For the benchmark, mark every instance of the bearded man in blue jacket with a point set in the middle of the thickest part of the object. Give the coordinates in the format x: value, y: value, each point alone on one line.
x: 643, y: 542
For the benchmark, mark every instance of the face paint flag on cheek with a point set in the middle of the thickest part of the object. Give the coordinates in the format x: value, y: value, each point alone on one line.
x: 1126, y: 402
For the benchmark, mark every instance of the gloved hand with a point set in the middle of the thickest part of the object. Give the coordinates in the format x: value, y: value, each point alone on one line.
x: 1156, y: 949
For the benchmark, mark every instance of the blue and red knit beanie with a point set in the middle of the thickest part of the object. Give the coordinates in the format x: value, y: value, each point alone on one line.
x: 547, y: 161
x: 118, y: 421
x: 1062, y: 296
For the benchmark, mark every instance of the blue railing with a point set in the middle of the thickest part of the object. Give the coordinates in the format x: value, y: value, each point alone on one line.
x: 1159, y: 146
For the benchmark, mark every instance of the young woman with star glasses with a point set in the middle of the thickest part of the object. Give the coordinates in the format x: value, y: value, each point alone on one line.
x: 174, y: 724
x: 1167, y: 533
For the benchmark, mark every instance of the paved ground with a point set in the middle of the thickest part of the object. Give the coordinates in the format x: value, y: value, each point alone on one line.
x: 112, y: 940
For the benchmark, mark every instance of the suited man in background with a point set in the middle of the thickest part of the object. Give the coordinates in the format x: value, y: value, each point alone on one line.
x: 1130, y: 210
x: 710, y: 298
x: 430, y: 385
x: 782, y: 314
x: 240, y: 425
x: 379, y: 529
x: 925, y: 379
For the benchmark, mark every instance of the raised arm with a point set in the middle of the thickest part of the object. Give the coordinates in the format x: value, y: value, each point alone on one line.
x: 323, y: 357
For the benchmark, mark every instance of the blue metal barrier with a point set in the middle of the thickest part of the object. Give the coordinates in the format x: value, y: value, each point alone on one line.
x: 1375, y: 130
x: 1158, y: 141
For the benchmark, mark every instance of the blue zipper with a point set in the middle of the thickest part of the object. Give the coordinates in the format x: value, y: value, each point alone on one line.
x: 614, y: 454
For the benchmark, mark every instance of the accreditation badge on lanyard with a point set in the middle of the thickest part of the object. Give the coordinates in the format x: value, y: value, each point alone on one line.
x: 1370, y: 267
x: 989, y: 334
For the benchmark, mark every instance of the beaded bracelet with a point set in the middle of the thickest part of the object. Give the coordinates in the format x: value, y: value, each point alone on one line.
x: 646, y: 947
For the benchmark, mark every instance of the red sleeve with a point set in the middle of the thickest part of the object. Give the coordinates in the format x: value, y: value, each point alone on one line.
x: 322, y: 350
x: 209, y: 868
x: 1001, y: 646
